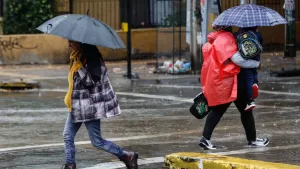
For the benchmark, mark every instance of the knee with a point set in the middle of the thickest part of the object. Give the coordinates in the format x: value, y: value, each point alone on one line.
x: 98, y: 143
x: 68, y: 137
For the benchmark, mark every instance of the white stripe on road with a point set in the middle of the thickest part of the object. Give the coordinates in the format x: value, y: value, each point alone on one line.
x: 50, y: 110
x: 261, y: 91
x: 112, y: 139
x: 174, y: 86
x: 111, y: 165
x: 261, y: 149
x: 47, y: 78
x: 152, y: 96
x: 58, y: 110
x: 284, y: 83
x: 166, y: 97
x: 279, y: 93
x: 154, y: 160
x: 290, y: 121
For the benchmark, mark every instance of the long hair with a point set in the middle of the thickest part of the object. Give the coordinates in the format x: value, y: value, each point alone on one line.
x: 93, y: 59
x: 223, y: 28
x: 249, y: 29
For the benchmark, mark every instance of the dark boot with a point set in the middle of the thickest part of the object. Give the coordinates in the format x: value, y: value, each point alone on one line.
x: 130, y: 160
x: 69, y: 166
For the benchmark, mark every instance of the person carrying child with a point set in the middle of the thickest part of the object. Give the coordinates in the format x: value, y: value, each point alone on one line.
x: 249, y: 42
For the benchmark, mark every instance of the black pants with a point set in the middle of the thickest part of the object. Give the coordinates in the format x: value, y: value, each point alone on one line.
x: 247, y: 118
x: 250, y: 77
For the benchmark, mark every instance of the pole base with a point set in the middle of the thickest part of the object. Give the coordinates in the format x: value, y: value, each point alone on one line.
x: 132, y: 76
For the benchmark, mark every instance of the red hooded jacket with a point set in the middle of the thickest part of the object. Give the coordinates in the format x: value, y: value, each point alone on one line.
x: 219, y: 74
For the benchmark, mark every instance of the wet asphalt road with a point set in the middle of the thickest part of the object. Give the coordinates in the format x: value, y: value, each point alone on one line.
x: 155, y: 120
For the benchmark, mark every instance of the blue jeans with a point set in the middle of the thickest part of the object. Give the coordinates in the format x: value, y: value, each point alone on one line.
x: 94, y: 131
x: 250, y: 77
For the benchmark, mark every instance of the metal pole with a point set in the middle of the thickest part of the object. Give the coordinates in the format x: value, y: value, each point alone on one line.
x: 173, y: 6
x: 244, y: 2
x: 204, y: 22
x: 157, y: 27
x: 129, y: 15
x: 194, y: 36
x: 190, y: 4
x: 180, y: 6
x: 71, y: 6
x: 290, y: 29
x: 219, y: 6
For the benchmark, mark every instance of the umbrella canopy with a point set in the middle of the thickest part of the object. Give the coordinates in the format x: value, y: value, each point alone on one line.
x: 84, y: 29
x: 249, y: 15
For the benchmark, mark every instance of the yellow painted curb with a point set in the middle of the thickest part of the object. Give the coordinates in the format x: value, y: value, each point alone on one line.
x: 18, y: 85
x: 206, y: 161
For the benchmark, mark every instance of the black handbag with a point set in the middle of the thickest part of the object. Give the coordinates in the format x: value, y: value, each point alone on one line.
x: 200, y: 108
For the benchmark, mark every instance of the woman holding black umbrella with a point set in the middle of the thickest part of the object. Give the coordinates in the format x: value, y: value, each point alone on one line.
x: 90, y: 97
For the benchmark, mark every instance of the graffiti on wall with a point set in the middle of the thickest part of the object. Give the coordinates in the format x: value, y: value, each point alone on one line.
x: 8, y: 45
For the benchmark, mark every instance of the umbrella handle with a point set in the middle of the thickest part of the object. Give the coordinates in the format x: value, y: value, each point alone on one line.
x: 49, y: 26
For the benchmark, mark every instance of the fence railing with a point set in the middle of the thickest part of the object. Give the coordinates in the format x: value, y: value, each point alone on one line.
x: 298, y: 10
x: 107, y: 11
x: 277, y: 5
x: 1, y: 8
x: 147, y: 13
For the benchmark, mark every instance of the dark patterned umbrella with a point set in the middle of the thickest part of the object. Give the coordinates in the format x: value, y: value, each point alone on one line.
x: 249, y: 15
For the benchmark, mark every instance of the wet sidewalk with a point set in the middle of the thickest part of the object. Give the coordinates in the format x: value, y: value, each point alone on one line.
x: 155, y: 119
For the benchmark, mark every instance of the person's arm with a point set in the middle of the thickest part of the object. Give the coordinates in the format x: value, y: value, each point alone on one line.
x: 244, y: 63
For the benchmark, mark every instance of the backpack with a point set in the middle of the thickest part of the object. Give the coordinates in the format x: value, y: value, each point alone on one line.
x: 200, y: 108
x: 248, y: 45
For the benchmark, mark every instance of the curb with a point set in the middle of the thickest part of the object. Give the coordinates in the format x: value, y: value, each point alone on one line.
x: 18, y: 85
x: 207, y: 161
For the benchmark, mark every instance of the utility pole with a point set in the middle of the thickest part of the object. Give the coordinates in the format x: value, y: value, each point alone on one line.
x: 194, y: 45
x: 290, y: 29
x: 204, y: 10
x: 192, y: 28
x: 204, y: 24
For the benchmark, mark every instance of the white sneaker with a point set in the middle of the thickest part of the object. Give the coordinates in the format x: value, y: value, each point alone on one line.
x: 250, y: 106
x: 206, y: 144
x: 259, y: 142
